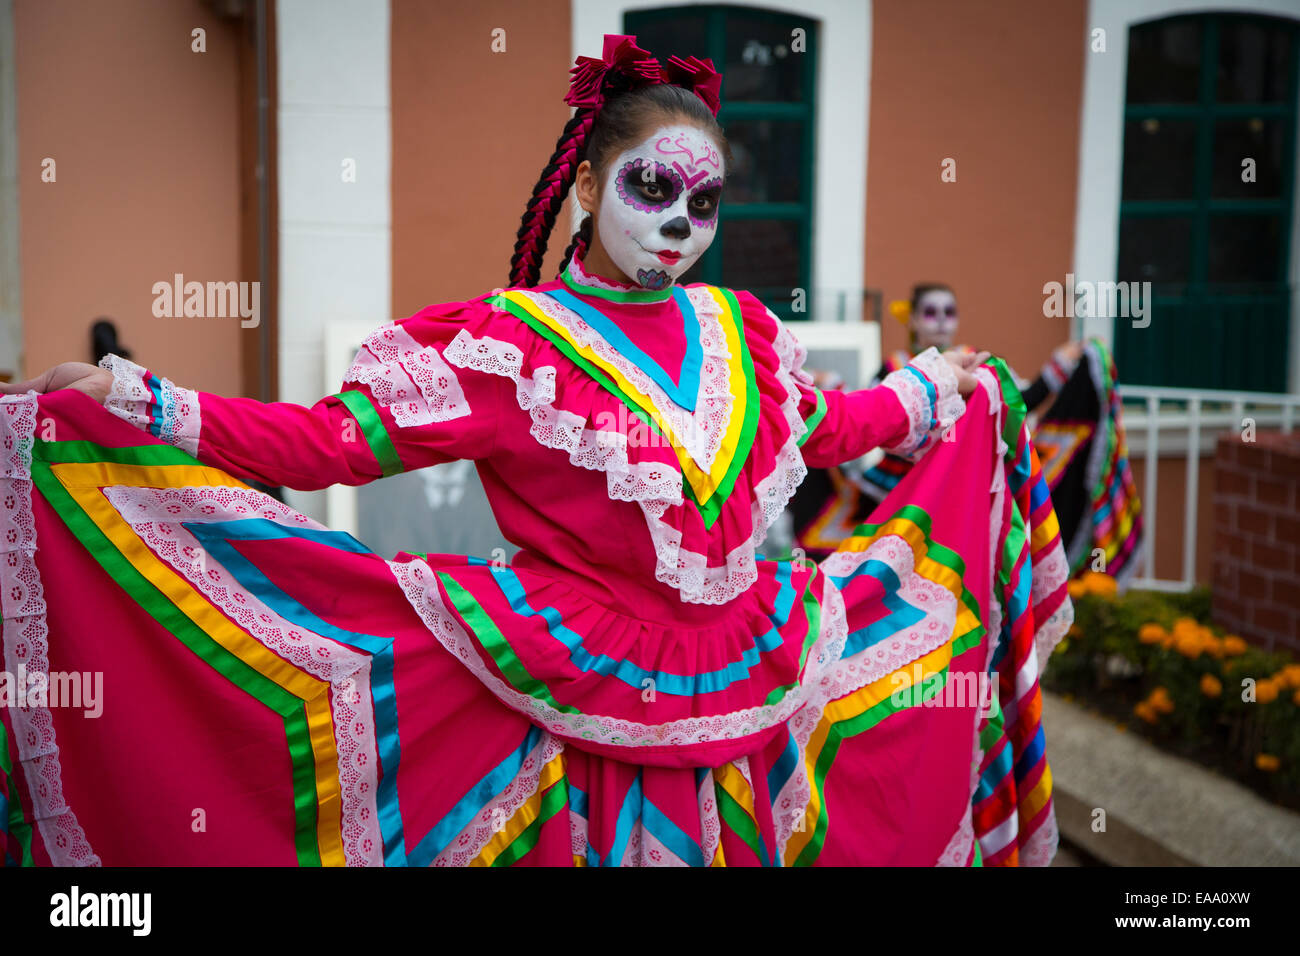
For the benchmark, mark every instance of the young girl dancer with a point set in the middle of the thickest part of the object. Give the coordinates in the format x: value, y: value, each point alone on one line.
x: 640, y: 685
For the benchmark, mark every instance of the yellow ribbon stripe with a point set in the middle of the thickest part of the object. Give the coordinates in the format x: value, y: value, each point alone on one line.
x: 524, y: 816
x: 83, y: 482
x: 703, y: 483
x: 847, y: 708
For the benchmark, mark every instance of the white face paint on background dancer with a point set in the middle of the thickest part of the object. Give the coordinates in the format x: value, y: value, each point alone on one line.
x: 935, y: 319
x: 659, y: 205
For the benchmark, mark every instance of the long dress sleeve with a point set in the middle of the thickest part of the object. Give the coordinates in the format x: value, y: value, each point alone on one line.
x: 401, y: 407
x: 906, y: 414
x: 1053, y: 376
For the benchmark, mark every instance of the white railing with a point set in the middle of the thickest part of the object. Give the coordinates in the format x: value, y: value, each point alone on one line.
x: 1188, y: 429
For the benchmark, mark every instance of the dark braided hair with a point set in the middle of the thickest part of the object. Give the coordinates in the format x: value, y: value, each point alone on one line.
x: 625, y: 119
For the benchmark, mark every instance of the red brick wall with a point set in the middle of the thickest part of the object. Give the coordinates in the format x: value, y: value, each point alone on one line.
x: 1256, y: 590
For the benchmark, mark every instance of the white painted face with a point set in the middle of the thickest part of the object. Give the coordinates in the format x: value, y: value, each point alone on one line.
x: 935, y: 319
x: 659, y: 205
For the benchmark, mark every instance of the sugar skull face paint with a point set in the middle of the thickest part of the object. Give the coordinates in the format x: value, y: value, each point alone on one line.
x: 935, y: 319
x: 659, y: 205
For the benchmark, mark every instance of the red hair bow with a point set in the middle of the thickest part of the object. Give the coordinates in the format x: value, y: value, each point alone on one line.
x: 623, y: 66
x: 698, y: 76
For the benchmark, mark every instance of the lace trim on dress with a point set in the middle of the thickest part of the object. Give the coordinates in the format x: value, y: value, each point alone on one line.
x: 420, y: 585
x: 26, y: 639
x: 701, y: 432
x: 152, y: 403
x: 409, y: 379
x: 593, y: 449
x: 929, y: 418
x: 158, y: 516
x: 656, y: 487
x: 581, y: 276
x: 497, y: 812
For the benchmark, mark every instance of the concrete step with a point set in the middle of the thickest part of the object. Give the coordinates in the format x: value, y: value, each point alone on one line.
x: 1160, y: 810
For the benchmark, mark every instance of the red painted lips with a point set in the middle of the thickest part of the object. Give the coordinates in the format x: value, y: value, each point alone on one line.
x: 667, y: 257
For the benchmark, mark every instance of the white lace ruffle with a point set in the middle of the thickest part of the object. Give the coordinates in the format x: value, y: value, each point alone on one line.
x: 497, y: 812
x: 701, y: 431
x: 409, y: 379
x: 595, y: 450
x: 655, y: 486
x: 175, y: 419
x: 159, y: 516
x: 420, y: 585
x: 929, y: 419
x: 26, y: 638
x: 581, y: 276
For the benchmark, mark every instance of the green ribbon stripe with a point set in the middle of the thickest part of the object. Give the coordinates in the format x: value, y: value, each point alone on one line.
x: 815, y: 419
x: 290, y: 709
x: 615, y: 295
x: 553, y: 801
x: 381, y: 445
x: 15, y: 823
x: 711, y: 509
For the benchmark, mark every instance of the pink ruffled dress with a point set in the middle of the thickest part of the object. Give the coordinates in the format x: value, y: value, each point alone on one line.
x: 640, y: 685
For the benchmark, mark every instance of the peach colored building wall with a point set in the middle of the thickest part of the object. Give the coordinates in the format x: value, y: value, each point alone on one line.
x: 472, y: 130
x: 1171, y: 496
x: 997, y: 87
x: 145, y: 137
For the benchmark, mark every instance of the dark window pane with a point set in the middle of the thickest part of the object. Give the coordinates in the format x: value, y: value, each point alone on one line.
x: 1256, y: 138
x: 759, y: 254
x: 1245, y: 249
x: 766, y: 161
x: 683, y: 34
x: 1159, y: 159
x: 1164, y: 62
x: 1254, y: 60
x: 760, y: 64
x: 1155, y: 249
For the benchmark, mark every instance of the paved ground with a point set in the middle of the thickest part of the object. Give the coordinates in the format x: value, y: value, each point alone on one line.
x: 1160, y: 810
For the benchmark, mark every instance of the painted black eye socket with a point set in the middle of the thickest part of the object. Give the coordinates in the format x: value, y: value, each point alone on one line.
x: 650, y: 184
x: 704, y: 204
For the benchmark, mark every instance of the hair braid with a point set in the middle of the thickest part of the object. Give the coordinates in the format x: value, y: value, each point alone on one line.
x: 548, y: 198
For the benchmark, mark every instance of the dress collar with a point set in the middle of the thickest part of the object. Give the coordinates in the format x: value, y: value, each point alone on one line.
x: 579, y: 280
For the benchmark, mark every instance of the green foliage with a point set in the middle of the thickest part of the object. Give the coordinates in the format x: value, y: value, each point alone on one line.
x: 1161, y: 680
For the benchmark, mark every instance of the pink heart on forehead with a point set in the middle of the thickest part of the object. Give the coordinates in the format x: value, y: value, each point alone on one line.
x: 689, y: 180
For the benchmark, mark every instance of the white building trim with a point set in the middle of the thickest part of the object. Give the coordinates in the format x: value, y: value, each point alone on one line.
x: 1101, y: 145
x: 333, y: 79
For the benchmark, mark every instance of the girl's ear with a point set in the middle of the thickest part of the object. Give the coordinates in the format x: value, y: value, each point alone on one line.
x: 586, y: 186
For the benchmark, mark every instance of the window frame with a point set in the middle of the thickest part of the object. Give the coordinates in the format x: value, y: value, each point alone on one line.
x: 779, y: 300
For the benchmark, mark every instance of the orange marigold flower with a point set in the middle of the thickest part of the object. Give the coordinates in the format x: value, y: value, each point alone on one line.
x: 1234, y: 645
x: 1267, y: 762
x: 1289, y: 676
x: 1161, y: 701
x: 1189, y: 644
x: 1185, y: 625
x: 1266, y: 691
x: 1211, y: 686
x: 1100, y: 584
x: 1145, y: 711
x: 1076, y: 589
x: 1151, y: 633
